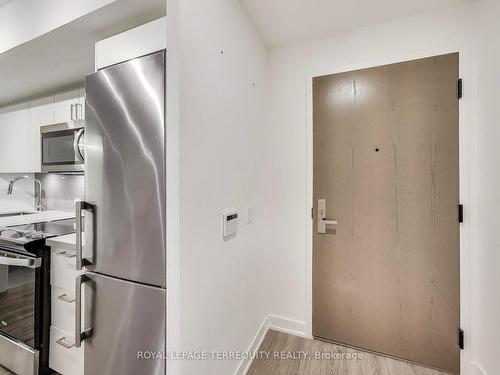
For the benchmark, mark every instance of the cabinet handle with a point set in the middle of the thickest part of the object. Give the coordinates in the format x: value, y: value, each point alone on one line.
x: 64, y: 343
x: 79, y: 111
x: 72, y: 111
x: 66, y: 254
x: 64, y: 297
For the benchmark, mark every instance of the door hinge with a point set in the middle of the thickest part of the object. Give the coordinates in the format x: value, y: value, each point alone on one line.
x: 460, y: 213
x: 312, y: 213
x: 461, y: 338
x: 460, y: 89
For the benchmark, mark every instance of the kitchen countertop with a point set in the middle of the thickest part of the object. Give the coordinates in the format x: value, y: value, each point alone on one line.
x: 37, y: 217
x: 67, y: 241
x: 13, y: 211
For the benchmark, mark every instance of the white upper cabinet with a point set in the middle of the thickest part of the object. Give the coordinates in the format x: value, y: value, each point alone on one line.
x: 16, y: 140
x: 41, y: 112
x: 20, y: 128
x: 68, y: 107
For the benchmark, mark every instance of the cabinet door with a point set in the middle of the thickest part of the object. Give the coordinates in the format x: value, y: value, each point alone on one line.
x: 15, y: 154
x: 41, y: 112
x: 63, y: 103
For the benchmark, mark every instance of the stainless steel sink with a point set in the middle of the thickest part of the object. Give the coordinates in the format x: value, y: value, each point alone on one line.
x: 17, y: 214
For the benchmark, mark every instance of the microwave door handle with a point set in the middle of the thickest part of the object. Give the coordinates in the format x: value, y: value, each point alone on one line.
x: 76, y: 147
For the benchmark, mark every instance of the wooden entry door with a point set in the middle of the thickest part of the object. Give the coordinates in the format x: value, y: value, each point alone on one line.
x: 386, y: 168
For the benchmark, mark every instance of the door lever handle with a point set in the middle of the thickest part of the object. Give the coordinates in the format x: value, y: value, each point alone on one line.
x: 322, y: 220
x: 329, y: 222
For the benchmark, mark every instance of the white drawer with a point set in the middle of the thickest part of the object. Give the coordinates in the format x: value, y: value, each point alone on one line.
x: 66, y: 361
x: 63, y: 269
x: 62, y: 309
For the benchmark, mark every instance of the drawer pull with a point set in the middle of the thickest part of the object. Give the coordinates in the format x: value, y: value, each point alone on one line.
x: 66, y: 254
x: 64, y: 343
x: 64, y: 297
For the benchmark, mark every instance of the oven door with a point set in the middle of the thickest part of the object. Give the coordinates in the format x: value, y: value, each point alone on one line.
x: 62, y: 147
x: 19, y: 310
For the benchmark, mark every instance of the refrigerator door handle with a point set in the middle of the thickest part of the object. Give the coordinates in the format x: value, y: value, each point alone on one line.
x: 79, y: 335
x: 79, y: 207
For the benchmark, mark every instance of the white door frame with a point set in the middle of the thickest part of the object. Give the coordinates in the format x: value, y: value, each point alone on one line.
x: 464, y: 170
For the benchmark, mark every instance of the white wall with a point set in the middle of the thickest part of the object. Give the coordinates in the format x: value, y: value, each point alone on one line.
x: 485, y: 185
x: 222, y: 96
x: 24, y: 20
x: 472, y: 28
x: 173, y: 186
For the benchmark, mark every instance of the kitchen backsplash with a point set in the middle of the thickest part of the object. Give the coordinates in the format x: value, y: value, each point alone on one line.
x: 22, y: 194
x: 60, y: 191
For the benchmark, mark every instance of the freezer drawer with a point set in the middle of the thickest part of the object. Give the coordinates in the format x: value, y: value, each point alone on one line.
x: 125, y: 320
x: 125, y: 170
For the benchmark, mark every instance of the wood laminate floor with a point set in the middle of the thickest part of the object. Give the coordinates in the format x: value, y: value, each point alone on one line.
x: 17, y: 311
x: 283, y: 354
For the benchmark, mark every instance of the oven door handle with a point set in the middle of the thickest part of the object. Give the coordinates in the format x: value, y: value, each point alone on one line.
x: 19, y: 260
x: 79, y: 335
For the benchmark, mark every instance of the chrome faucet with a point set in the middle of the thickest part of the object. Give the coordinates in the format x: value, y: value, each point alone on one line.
x: 38, y: 190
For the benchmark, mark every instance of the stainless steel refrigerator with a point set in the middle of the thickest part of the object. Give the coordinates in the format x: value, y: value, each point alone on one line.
x: 122, y: 325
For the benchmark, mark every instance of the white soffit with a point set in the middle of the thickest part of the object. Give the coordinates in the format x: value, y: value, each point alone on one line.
x: 4, y: 2
x: 61, y: 59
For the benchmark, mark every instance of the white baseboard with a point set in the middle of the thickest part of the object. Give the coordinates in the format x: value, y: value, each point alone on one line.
x: 292, y: 327
x: 476, y: 369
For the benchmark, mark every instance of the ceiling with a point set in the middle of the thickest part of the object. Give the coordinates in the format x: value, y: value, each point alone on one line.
x: 285, y: 21
x: 4, y: 2
x: 61, y: 59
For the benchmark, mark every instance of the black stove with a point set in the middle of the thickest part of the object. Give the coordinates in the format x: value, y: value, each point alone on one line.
x: 28, y: 237
x: 25, y: 296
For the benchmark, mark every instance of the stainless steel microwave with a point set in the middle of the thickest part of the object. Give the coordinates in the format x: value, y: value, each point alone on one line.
x: 62, y: 147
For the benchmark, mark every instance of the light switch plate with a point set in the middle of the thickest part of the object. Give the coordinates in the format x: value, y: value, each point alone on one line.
x: 249, y: 214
